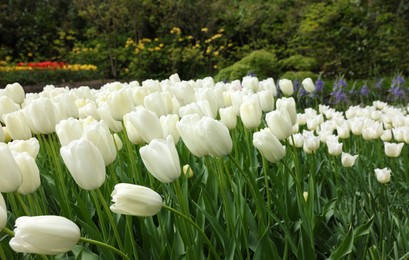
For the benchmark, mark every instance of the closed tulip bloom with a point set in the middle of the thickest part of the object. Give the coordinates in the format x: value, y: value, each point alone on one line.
x: 89, y: 109
x: 216, y: 136
x: 16, y: 92
x: 146, y: 123
x: 131, y: 130
x: 228, y: 117
x: 387, y: 135
x: 289, y: 105
x: 10, y: 174
x: 66, y: 104
x: 334, y: 148
x: 268, y: 145
x: 308, y: 85
x: 119, y: 104
x: 208, y: 94
x: 3, y: 212
x: 343, y: 131
x: 17, y: 126
x: 383, y: 175
x: 168, y: 124
x: 135, y: 200
x: 68, y: 130
x: 46, y: 235
x: 250, y: 83
x: 279, y: 123
x: 286, y: 86
x: 268, y: 84
x: 188, y: 132
x: 99, y: 134
x: 7, y: 105
x: 77, y: 156
x: 393, y: 149
x: 118, y: 142
x: 296, y: 140
x: 201, y: 108
x: 348, y: 160
x: 40, y: 112
x: 115, y: 125
x: 159, y: 102
x: 266, y: 100
x: 161, y: 159
x: 311, y: 142
x: 250, y: 113
x: 29, y: 172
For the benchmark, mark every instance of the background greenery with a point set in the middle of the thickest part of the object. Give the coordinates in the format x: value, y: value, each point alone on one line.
x: 141, y: 39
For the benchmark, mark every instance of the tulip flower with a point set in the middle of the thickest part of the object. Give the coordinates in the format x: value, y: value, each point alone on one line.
x: 268, y: 84
x: 46, y: 235
x: 161, y: 159
x: 68, y: 130
x: 10, y: 174
x: 250, y: 113
x: 383, y: 175
x: 29, y: 172
x: 289, y: 105
x: 208, y: 94
x: 131, y: 130
x: 296, y: 140
x: 393, y: 149
x: 168, y: 124
x: 3, y: 212
x: 2, y: 135
x: 77, y: 156
x: 135, y: 200
x: 7, y: 105
x: 119, y: 104
x: 266, y: 100
x: 279, y: 123
x: 114, y: 125
x: 216, y: 136
x: 308, y: 85
x: 201, y: 108
x: 348, y: 160
x: 268, y: 145
x: 17, y: 125
x: 40, y: 116
x: 311, y: 142
x: 16, y: 92
x: 99, y: 134
x: 228, y: 117
x: 188, y: 132
x: 159, y: 102
x: 187, y: 171
x: 334, y: 148
x: 146, y: 123
x: 250, y: 83
x: 286, y: 86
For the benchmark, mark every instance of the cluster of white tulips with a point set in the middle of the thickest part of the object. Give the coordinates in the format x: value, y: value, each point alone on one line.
x: 156, y: 116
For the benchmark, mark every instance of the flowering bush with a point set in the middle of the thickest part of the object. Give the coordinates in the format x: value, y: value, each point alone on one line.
x: 263, y: 178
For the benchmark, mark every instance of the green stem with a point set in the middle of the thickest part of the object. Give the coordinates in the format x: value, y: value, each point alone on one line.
x: 22, y: 203
x: 110, y: 218
x: 8, y: 231
x: 265, y: 165
x: 101, y: 244
x: 131, y: 237
x: 180, y: 214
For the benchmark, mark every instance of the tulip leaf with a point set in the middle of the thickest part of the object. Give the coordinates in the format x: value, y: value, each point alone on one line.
x: 83, y: 253
x: 347, y: 243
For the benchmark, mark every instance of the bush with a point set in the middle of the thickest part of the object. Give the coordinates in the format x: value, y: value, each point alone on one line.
x: 299, y: 63
x: 299, y: 75
x: 262, y: 63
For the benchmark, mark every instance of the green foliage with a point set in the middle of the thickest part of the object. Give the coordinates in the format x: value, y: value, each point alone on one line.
x: 299, y: 75
x: 299, y: 62
x: 262, y: 63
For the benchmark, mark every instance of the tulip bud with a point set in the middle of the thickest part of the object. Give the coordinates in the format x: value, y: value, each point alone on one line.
x: 305, y: 195
x: 228, y: 117
x: 16, y: 92
x: 29, y: 172
x: 268, y: 145
x: 279, y: 123
x: 17, y: 125
x: 119, y: 104
x: 308, y: 85
x: 135, y: 200
x: 383, y: 175
x: 393, y: 149
x: 3, y: 212
x: 46, y: 235
x: 98, y: 133
x: 68, y: 130
x: 187, y: 170
x: 10, y: 175
x: 118, y: 142
x: 77, y: 156
x: 348, y: 160
x: 286, y: 86
x: 161, y: 159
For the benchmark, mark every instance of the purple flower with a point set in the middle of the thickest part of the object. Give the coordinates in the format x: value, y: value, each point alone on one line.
x: 398, y: 81
x: 397, y: 92
x: 338, y: 96
x: 364, y: 90
x: 319, y: 85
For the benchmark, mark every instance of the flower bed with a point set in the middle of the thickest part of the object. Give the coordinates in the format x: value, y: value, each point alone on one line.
x: 202, y: 169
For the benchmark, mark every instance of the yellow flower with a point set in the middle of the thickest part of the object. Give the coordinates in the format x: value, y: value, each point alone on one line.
x: 29, y: 54
x: 205, y: 29
x: 216, y: 53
